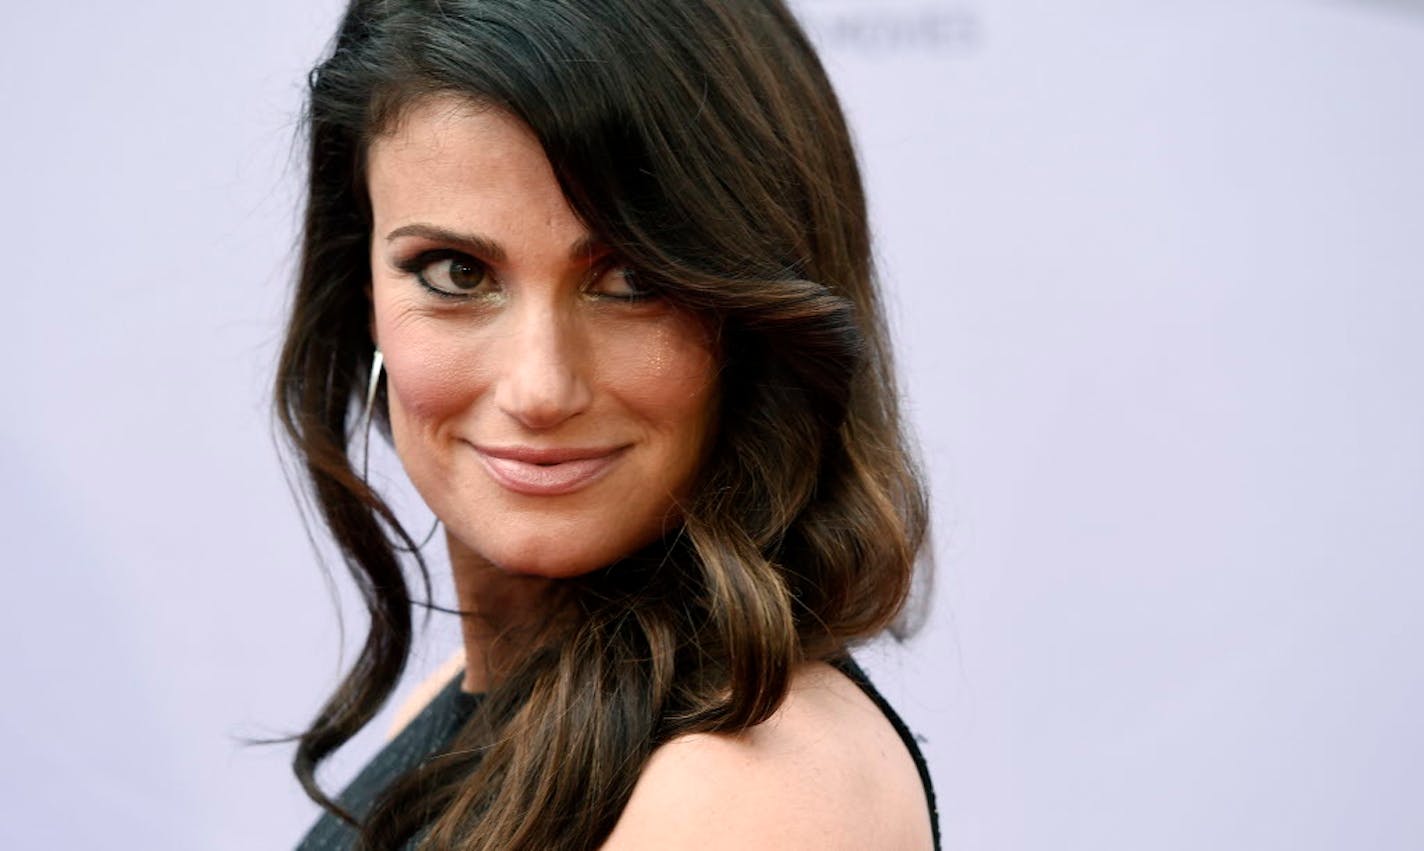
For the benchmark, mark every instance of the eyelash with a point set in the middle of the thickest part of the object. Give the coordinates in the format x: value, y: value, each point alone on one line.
x: 416, y: 266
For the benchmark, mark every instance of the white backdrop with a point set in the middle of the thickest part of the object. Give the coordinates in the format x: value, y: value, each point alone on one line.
x: 1158, y: 279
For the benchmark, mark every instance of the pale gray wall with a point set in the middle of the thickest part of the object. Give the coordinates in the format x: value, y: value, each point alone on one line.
x: 1156, y: 276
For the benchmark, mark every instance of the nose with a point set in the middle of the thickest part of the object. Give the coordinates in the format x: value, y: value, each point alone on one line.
x: 543, y: 382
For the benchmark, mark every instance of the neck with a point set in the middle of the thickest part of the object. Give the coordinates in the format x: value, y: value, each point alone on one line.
x: 501, y: 610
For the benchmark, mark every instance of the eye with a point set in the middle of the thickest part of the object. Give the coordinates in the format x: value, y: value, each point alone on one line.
x: 447, y: 273
x: 621, y: 283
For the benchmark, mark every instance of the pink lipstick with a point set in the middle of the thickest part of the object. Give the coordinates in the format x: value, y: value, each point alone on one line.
x: 547, y: 472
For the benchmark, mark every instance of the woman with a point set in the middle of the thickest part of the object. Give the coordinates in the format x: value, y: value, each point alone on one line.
x: 601, y: 272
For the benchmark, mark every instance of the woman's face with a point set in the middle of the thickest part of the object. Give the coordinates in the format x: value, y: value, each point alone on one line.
x: 549, y: 412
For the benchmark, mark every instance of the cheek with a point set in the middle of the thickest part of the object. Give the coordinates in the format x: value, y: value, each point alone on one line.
x: 430, y: 376
x: 666, y: 373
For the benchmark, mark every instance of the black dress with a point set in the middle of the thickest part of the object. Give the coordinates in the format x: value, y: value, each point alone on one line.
x: 429, y: 732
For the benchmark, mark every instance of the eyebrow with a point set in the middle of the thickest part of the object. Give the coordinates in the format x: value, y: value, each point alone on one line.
x: 484, y: 247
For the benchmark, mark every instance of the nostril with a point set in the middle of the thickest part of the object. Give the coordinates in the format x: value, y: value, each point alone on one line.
x: 543, y: 384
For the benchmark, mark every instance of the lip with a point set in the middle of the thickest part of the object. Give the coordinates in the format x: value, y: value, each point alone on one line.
x: 535, y: 471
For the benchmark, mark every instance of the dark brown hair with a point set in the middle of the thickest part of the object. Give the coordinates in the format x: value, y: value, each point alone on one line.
x: 703, y: 141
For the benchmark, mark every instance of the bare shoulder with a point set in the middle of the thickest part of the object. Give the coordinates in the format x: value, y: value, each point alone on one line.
x: 827, y: 771
x: 421, y: 696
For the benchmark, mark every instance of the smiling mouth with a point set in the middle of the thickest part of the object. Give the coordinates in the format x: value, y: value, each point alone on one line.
x: 546, y: 472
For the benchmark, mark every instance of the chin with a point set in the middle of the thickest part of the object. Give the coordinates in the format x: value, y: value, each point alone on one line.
x: 552, y: 544
x: 543, y: 557
x: 545, y: 568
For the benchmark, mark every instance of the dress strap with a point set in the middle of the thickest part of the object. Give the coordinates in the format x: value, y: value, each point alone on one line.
x: 846, y: 665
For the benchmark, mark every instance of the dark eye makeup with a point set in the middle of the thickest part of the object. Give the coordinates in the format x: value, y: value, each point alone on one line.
x: 455, y: 275
x: 636, y: 290
x: 451, y: 274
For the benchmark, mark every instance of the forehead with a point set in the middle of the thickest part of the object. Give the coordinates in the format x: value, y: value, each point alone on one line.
x: 454, y: 163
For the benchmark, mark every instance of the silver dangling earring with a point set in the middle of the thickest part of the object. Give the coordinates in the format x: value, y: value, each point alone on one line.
x: 378, y: 361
